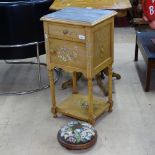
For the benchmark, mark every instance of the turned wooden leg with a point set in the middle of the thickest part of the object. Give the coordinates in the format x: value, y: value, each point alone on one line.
x: 52, y: 91
x: 90, y: 102
x: 75, y: 89
x: 69, y: 82
x: 110, y: 88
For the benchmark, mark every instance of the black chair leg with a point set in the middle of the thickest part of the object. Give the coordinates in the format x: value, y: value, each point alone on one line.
x: 136, y: 50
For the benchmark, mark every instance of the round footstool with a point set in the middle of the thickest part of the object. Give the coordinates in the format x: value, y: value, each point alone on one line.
x: 77, y: 135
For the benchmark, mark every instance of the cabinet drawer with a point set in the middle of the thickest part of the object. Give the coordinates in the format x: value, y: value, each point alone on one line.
x: 67, y: 32
x: 67, y: 53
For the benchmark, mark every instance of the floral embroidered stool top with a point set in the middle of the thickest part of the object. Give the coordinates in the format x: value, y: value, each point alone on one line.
x: 77, y: 135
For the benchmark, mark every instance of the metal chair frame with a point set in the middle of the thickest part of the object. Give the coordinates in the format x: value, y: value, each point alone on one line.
x: 40, y: 86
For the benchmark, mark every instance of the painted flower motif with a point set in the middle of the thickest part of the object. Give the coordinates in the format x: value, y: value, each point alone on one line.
x: 77, y: 132
x: 67, y: 54
x: 71, y: 139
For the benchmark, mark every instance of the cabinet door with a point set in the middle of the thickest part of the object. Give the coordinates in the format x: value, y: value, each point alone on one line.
x: 67, y: 54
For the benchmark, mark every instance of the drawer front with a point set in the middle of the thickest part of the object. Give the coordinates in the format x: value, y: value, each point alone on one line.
x: 67, y: 32
x: 67, y: 53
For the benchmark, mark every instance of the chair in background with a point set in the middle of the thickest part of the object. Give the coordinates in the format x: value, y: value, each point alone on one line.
x: 146, y: 44
x: 21, y: 32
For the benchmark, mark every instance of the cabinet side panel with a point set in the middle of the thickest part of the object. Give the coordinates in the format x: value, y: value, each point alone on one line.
x: 103, y: 48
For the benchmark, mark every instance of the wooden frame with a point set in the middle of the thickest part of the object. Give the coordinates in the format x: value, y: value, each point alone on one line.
x: 88, y: 53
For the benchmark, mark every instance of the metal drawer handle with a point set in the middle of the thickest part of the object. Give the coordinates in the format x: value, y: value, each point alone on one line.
x: 65, y: 31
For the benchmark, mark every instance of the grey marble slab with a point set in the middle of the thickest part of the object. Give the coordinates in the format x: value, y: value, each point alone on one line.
x: 86, y: 15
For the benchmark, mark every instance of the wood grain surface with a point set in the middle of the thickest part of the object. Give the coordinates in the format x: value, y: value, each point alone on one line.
x: 98, y: 4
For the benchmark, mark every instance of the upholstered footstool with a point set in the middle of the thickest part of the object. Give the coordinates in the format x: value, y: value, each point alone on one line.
x: 77, y: 135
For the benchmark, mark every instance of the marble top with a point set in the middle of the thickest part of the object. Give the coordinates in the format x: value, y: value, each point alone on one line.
x: 87, y: 16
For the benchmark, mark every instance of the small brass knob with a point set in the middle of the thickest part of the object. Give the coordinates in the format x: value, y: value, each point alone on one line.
x: 52, y: 50
x: 65, y: 31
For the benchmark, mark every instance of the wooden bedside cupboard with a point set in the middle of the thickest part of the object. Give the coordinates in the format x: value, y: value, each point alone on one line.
x: 80, y: 40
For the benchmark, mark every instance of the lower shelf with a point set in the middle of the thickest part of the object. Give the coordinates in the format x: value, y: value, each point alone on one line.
x: 76, y: 106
